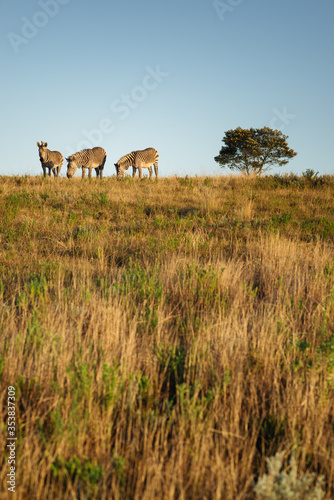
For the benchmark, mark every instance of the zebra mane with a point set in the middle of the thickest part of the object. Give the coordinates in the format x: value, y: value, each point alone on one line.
x: 127, y: 160
x: 79, y: 154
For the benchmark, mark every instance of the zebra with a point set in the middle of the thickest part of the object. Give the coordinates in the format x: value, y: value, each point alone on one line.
x: 87, y: 158
x: 138, y: 160
x: 53, y: 160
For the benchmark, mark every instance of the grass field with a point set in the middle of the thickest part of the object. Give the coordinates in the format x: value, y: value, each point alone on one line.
x: 164, y: 338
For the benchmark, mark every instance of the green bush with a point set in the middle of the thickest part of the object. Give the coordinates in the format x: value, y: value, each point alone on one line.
x: 286, y: 485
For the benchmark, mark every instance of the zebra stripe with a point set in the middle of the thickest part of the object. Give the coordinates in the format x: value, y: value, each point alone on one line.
x: 138, y: 160
x: 87, y: 158
x: 53, y: 160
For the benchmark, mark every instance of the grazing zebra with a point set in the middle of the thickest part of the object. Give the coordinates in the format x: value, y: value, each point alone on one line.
x: 138, y: 160
x: 52, y: 160
x: 87, y: 158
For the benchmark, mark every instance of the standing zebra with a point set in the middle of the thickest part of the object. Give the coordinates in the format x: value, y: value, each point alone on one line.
x: 138, y: 160
x: 87, y: 158
x: 52, y: 160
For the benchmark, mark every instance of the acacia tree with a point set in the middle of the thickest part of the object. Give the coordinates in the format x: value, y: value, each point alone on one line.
x: 254, y: 151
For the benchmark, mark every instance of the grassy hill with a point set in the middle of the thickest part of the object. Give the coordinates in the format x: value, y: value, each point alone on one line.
x: 164, y: 338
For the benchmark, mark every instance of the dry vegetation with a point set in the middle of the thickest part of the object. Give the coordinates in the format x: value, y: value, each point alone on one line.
x: 165, y: 338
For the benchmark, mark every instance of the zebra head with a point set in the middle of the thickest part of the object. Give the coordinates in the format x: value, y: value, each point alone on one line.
x: 71, y: 166
x: 119, y: 170
x: 123, y: 164
x: 42, y: 150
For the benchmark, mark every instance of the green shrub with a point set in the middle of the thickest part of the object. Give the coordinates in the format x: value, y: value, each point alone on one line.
x: 285, y: 485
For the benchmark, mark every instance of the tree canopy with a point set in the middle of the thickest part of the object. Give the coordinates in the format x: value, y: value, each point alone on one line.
x: 255, y: 150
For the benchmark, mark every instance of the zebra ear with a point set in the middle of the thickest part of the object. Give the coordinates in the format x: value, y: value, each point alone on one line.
x: 45, y: 144
x: 38, y: 144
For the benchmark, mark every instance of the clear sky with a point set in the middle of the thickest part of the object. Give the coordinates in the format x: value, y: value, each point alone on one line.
x: 172, y: 75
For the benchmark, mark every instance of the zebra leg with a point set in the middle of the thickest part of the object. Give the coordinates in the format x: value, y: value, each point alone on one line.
x: 44, y: 171
x: 140, y: 172
x: 83, y: 173
x: 89, y: 173
x: 97, y: 170
x: 101, y: 172
x: 50, y: 171
x: 150, y: 171
x: 133, y: 172
x: 156, y: 170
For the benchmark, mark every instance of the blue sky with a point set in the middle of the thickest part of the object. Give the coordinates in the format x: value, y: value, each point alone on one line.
x: 171, y: 75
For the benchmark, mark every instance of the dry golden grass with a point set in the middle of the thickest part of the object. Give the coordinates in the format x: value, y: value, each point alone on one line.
x: 164, y: 338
